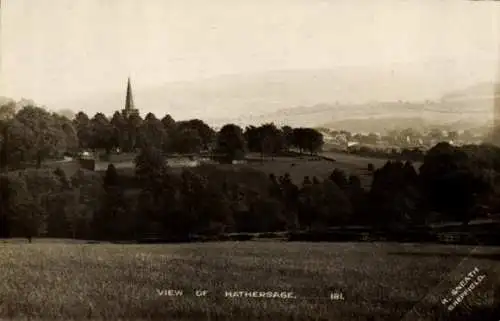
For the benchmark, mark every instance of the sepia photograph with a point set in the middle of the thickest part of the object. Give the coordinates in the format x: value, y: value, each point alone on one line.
x: 277, y: 160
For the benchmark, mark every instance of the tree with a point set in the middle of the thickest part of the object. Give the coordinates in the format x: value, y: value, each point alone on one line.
x: 152, y: 132
x: 120, y: 130
x: 216, y: 208
x: 170, y: 127
x: 83, y: 129
x: 271, y: 139
x: 58, y: 223
x: 5, y: 207
x: 395, y: 195
x: 84, y: 199
x: 4, y: 145
x: 453, y: 181
x: 193, y: 196
x: 47, y: 137
x: 70, y: 133
x: 150, y: 166
x: 49, y: 190
x: 55, y: 204
x: 265, y: 139
x: 287, y: 136
x: 186, y: 140
x: 231, y: 142
x: 134, y: 123
x: 17, y: 140
x: 111, y: 178
x: 102, y: 133
x: 205, y: 133
x: 112, y: 220
x: 334, y: 206
x: 314, y: 140
x: 63, y: 178
x: 168, y: 205
x: 268, y: 215
x: 339, y: 177
x: 21, y: 211
x: 168, y: 122
x: 252, y: 138
x: 307, y: 139
x: 8, y: 111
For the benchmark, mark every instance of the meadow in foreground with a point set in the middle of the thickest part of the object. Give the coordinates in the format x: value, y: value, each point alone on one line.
x: 109, y: 281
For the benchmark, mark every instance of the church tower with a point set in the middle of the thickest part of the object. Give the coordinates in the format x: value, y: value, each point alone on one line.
x: 129, y: 103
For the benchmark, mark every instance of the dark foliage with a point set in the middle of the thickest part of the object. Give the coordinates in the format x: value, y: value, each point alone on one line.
x: 157, y: 203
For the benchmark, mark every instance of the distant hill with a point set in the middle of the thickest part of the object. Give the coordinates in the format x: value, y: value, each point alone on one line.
x: 247, y: 96
x: 378, y: 117
x: 470, y: 108
x: 478, y: 91
x: 384, y: 124
x: 359, y: 98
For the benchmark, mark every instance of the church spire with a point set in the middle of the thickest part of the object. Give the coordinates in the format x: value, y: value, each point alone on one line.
x: 129, y: 102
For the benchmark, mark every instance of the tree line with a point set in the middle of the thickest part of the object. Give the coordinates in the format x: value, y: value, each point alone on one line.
x: 210, y: 200
x: 453, y: 183
x: 33, y: 134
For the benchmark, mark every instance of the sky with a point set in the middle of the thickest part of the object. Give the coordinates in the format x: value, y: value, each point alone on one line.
x: 56, y: 50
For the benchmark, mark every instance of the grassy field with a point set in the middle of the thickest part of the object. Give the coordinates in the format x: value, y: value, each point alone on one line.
x: 71, y: 281
x: 297, y: 167
x: 359, y: 161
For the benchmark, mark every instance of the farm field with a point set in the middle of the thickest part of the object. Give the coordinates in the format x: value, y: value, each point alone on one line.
x: 360, y: 161
x: 71, y: 281
x: 297, y: 167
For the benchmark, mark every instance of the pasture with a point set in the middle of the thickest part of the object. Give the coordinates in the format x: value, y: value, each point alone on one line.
x: 298, y: 167
x: 301, y: 166
x: 71, y: 281
x: 359, y: 161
